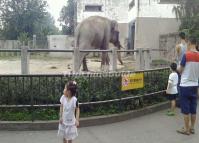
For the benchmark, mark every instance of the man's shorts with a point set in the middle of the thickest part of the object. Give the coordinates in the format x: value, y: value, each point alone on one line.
x: 172, y: 96
x: 188, y: 99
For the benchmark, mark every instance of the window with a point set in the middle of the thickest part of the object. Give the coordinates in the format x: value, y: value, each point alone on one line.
x: 169, y: 1
x: 93, y: 8
x: 132, y: 4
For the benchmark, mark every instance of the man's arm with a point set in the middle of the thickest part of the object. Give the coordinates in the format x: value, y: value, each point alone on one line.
x: 182, y: 64
x: 180, y: 69
x: 178, y: 50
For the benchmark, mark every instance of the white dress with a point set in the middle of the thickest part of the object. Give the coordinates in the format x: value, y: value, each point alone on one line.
x: 68, y: 129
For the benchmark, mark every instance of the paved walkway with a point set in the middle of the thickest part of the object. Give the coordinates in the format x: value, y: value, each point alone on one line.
x: 153, y: 128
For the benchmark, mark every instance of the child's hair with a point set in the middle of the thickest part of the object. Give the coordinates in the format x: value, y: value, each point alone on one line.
x: 173, y: 66
x: 72, y: 86
x: 182, y: 35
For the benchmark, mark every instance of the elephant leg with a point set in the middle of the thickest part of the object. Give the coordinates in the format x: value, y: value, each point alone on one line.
x: 85, y: 68
x: 105, y: 46
x: 82, y: 61
x: 103, y: 61
x: 107, y: 60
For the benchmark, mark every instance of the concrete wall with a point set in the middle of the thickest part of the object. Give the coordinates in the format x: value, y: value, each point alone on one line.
x: 152, y: 19
x: 152, y: 8
x: 113, y: 9
x: 60, y: 42
x: 9, y: 44
x: 168, y: 42
x: 148, y: 31
x: 132, y: 13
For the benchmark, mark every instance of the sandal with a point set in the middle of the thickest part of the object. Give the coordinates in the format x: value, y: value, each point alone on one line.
x: 192, y: 131
x: 183, y: 131
x: 170, y: 113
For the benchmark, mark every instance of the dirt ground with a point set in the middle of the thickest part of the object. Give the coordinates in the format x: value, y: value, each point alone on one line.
x: 47, y: 65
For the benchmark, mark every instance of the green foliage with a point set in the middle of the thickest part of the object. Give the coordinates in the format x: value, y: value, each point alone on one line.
x: 19, y: 17
x: 188, y: 13
x: 25, y: 114
x: 67, y: 17
x: 23, y: 37
x: 43, y: 90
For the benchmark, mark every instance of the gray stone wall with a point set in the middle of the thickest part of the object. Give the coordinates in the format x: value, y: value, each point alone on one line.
x: 9, y: 44
x: 57, y: 42
x: 168, y: 42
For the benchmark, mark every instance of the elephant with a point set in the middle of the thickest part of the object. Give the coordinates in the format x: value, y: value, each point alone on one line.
x: 96, y: 32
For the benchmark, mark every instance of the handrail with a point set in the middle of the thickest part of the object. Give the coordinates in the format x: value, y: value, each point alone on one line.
x: 71, y: 50
x: 85, y: 103
x: 84, y: 74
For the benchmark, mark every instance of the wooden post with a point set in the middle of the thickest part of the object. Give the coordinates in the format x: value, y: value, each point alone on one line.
x: 24, y: 60
x: 139, y: 59
x: 147, y: 59
x: 76, y: 62
x: 113, y: 61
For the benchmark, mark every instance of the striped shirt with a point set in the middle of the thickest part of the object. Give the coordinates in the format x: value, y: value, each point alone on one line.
x: 190, y: 74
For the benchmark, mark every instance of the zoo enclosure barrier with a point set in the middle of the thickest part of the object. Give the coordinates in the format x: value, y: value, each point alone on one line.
x: 143, y: 57
x: 98, y: 93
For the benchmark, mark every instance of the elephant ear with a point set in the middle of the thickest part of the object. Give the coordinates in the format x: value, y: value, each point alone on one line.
x: 114, y: 26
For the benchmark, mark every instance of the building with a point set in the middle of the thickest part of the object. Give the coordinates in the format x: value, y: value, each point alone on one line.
x: 148, y: 19
x: 112, y: 9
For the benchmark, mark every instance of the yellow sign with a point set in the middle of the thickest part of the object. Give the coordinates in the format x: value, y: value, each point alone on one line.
x: 132, y: 81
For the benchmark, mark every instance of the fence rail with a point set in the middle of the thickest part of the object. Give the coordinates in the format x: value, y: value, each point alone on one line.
x: 97, y: 92
x: 143, y: 56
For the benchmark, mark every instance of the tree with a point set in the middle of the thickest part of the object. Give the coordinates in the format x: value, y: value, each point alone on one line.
x: 20, y: 18
x: 67, y: 17
x: 188, y: 13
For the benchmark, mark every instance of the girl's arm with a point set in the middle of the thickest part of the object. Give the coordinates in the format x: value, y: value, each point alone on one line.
x: 77, y: 115
x: 167, y: 88
x: 61, y: 114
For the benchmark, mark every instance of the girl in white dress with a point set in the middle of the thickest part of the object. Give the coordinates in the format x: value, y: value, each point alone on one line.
x: 69, y: 106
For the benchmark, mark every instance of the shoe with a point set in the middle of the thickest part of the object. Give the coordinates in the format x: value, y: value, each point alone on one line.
x: 170, y: 113
x: 192, y: 131
x: 183, y: 131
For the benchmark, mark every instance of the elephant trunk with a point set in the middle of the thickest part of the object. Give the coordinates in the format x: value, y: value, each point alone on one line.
x: 119, y: 55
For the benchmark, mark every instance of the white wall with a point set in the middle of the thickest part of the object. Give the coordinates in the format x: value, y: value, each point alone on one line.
x: 57, y: 42
x: 151, y: 8
x: 150, y: 29
x: 132, y: 13
x: 113, y: 9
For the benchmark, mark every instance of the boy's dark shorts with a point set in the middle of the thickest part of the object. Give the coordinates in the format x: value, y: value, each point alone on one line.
x: 188, y: 99
x: 172, y: 96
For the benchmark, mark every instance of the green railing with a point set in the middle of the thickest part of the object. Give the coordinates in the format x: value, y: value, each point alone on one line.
x: 37, y: 96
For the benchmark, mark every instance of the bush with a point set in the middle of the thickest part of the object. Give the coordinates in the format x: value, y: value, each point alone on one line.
x: 47, y: 89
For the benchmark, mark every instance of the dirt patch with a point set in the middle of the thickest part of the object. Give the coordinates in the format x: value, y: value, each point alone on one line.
x: 46, y: 65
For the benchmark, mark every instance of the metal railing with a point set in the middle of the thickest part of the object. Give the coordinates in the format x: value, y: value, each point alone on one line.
x: 143, y: 58
x: 97, y: 91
